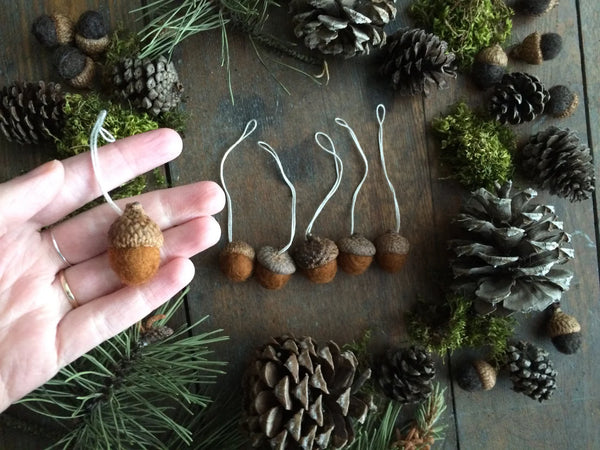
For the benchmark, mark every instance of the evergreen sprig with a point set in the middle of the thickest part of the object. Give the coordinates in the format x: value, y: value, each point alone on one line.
x: 124, y: 393
x: 378, y: 430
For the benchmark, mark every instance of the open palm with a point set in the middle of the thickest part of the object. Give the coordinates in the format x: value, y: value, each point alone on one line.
x: 40, y: 332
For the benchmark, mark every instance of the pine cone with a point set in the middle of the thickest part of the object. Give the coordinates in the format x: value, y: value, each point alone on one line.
x: 406, y: 375
x: 531, y: 371
x: 415, y: 59
x: 342, y: 27
x: 510, y: 261
x: 31, y: 112
x: 299, y: 395
x: 151, y: 85
x: 555, y: 159
x: 518, y: 98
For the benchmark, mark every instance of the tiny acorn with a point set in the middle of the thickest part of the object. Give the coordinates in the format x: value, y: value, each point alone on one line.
x: 563, y: 102
x: 273, y: 269
x: 489, y: 66
x: 392, y: 251
x: 477, y: 375
x: 564, y: 331
x: 534, y: 7
x: 356, y: 254
x: 317, y: 258
x: 236, y: 261
x: 53, y: 30
x: 537, y: 48
x: 134, y: 242
x: 75, y: 67
x: 92, y: 33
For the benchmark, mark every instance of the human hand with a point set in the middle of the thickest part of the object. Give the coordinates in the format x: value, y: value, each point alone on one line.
x: 40, y: 332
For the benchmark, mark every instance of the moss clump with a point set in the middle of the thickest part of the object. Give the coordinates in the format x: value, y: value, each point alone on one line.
x: 468, y: 26
x: 446, y: 327
x: 477, y: 151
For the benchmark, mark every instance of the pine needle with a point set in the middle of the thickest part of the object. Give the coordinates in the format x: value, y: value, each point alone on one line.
x: 378, y: 430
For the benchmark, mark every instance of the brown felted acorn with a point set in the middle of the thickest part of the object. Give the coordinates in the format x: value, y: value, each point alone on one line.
x: 564, y: 330
x: 534, y: 7
x: 537, y: 48
x: 53, y: 30
x: 392, y: 251
x: 317, y: 258
x: 92, y: 33
x: 236, y: 260
x: 563, y: 102
x: 75, y: 67
x: 477, y: 375
x: 134, y: 242
x: 273, y: 267
x: 356, y: 254
x: 489, y: 66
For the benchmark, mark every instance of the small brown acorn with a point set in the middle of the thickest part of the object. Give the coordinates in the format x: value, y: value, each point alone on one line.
x: 356, y: 254
x: 392, y: 251
x: 134, y: 242
x: 565, y: 331
x: 317, y: 258
x: 92, y: 33
x: 236, y: 260
x: 537, y: 48
x: 563, y: 102
x: 53, y: 30
x: 489, y: 66
x: 273, y: 270
x: 476, y: 376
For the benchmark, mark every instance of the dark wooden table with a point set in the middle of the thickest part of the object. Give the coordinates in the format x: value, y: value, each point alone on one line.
x: 343, y: 309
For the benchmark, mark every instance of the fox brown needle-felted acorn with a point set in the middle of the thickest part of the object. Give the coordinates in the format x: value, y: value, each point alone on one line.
x: 317, y: 256
x: 236, y: 259
x: 391, y: 247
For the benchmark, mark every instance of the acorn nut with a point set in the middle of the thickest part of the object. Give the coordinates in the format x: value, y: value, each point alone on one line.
x: 236, y: 261
x: 392, y: 251
x: 317, y: 258
x: 564, y: 331
x: 273, y: 269
x: 53, y: 30
x: 537, y: 48
x: 356, y: 254
x: 134, y: 242
x: 92, y: 33
x: 477, y: 375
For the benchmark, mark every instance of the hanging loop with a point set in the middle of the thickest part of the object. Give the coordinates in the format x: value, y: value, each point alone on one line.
x: 380, y: 118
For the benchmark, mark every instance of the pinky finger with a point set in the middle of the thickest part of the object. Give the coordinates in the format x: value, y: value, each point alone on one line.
x: 89, y: 325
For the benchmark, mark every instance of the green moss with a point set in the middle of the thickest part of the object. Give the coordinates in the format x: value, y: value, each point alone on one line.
x: 123, y: 44
x: 468, y: 25
x: 477, y: 151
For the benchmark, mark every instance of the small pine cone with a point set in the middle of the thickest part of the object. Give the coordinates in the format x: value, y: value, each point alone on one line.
x: 151, y: 85
x: 555, y: 159
x: 519, y: 97
x: 531, y: 371
x: 406, y: 375
x: 301, y: 395
x: 347, y: 28
x: 414, y: 60
x: 31, y: 112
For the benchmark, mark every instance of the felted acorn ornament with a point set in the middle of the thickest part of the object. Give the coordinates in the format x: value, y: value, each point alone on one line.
x: 489, y: 66
x: 74, y: 66
x: 534, y: 7
x: 53, y: 30
x: 564, y: 331
x: 236, y: 260
x: 563, y: 102
x: 134, y: 242
x: 537, y: 48
x: 92, y: 33
x: 478, y: 375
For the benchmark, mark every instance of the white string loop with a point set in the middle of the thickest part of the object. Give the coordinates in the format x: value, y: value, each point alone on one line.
x: 339, y: 170
x: 266, y: 147
x: 380, y: 118
x: 108, y: 137
x: 248, y: 130
x: 343, y: 123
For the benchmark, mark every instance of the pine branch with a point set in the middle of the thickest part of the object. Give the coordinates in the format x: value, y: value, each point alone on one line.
x: 378, y: 430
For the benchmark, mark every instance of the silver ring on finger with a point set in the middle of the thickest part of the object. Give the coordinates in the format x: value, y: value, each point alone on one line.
x: 57, y: 248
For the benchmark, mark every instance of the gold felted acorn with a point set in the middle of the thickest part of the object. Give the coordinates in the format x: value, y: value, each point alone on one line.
x: 478, y: 375
x: 274, y: 268
x: 317, y: 258
x: 356, y: 254
x: 134, y: 242
x: 52, y: 30
x: 92, y: 33
x: 236, y: 260
x: 565, y: 331
x: 489, y: 66
x: 537, y: 48
x: 392, y: 251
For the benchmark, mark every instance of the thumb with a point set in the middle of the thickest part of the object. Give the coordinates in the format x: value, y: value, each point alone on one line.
x: 24, y: 196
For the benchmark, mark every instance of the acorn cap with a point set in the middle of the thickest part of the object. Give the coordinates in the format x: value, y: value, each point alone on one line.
x: 564, y: 331
x: 537, y: 48
x: 392, y: 250
x: 476, y: 376
x: 239, y: 247
x: 271, y: 259
x: 134, y: 229
x: 535, y: 7
x: 493, y: 55
x: 315, y: 252
x: 356, y: 244
x: 563, y: 102
x: 53, y: 30
x: 92, y: 33
x: 236, y: 260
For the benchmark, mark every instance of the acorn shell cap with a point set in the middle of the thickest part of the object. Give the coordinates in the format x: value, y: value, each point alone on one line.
x: 134, y: 229
x: 356, y: 244
x: 270, y: 259
x: 240, y: 247
x: 493, y: 55
x: 315, y: 252
x: 487, y: 374
x: 562, y: 323
x: 392, y: 242
x: 529, y: 49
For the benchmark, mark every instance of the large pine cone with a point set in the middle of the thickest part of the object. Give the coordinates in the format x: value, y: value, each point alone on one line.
x: 519, y: 97
x: 415, y: 60
x: 406, y: 375
x: 299, y: 395
x: 31, y: 112
x: 555, y: 159
x: 531, y: 371
x: 151, y: 85
x: 509, y: 263
x: 342, y: 27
